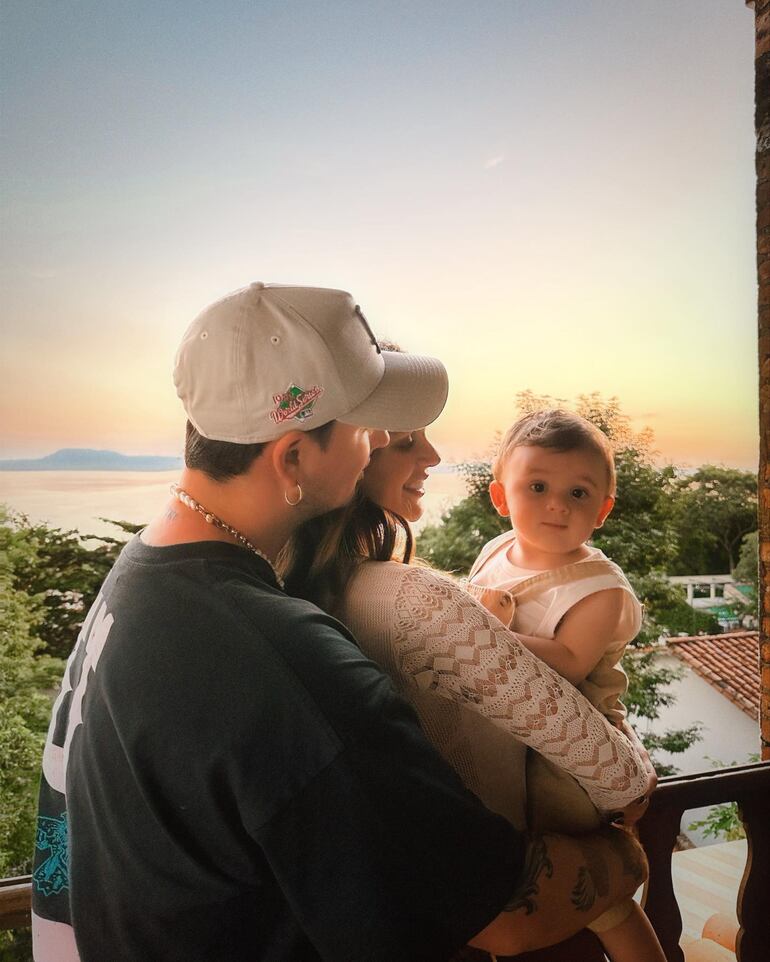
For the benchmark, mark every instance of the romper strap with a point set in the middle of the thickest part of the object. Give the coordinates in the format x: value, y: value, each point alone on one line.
x: 567, y: 574
x: 490, y: 549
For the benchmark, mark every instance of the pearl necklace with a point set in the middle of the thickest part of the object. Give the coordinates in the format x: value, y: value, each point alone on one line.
x: 194, y: 505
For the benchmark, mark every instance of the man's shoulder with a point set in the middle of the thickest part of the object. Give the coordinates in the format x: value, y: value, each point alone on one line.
x: 244, y: 655
x: 206, y: 610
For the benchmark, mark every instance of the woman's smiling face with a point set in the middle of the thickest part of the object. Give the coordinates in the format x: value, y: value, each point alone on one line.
x: 397, y: 473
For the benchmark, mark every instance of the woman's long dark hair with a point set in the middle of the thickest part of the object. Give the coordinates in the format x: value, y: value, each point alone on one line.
x: 323, y: 553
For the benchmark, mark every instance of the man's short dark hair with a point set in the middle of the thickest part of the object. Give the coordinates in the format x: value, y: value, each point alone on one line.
x: 222, y: 460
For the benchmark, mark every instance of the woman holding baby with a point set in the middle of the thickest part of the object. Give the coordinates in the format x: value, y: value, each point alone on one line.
x: 481, y: 695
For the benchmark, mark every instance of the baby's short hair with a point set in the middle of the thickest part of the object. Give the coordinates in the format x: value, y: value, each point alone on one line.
x: 561, y: 430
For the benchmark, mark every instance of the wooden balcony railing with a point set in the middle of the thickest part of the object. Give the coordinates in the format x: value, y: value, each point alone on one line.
x: 748, y: 785
x: 15, y: 901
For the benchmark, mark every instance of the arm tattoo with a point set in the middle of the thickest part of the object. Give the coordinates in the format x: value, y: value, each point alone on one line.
x: 169, y: 514
x: 593, y: 878
x: 535, y: 862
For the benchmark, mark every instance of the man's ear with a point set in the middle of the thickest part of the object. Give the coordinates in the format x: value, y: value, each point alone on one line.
x: 604, y: 512
x: 286, y: 455
x: 497, y: 494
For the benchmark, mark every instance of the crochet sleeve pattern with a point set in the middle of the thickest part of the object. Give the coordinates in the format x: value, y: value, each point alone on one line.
x: 447, y: 643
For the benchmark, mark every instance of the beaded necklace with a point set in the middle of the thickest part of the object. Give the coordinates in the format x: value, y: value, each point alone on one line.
x: 211, y: 518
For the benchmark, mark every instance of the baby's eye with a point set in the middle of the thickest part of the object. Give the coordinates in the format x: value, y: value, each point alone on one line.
x: 537, y: 486
x: 579, y: 493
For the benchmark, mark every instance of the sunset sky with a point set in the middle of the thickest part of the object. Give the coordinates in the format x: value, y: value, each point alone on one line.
x: 556, y: 196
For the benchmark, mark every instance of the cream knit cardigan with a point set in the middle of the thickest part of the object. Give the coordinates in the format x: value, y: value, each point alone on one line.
x: 480, y: 694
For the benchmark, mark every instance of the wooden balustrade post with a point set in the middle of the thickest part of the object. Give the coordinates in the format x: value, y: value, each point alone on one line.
x: 762, y: 161
x: 754, y: 892
x: 658, y: 831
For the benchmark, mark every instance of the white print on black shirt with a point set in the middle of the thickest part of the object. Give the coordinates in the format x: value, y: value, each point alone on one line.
x: 86, y: 654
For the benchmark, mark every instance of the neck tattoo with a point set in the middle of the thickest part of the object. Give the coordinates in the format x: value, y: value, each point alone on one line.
x: 193, y: 505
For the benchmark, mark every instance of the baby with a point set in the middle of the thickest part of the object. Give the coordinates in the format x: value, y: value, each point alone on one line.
x: 554, y: 476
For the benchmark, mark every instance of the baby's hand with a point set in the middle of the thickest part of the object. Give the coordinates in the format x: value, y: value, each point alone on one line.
x: 497, y: 601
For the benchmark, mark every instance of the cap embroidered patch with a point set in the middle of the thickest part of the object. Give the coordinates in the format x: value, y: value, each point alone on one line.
x: 295, y: 403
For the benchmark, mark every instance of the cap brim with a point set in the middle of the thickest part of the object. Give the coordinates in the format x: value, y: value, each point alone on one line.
x: 411, y: 395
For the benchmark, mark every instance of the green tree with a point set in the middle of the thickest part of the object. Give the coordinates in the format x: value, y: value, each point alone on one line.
x: 64, y: 569
x: 26, y: 680
x: 48, y: 579
x: 639, y: 535
x: 714, y: 509
x: 453, y: 544
x: 606, y: 414
x: 747, y: 570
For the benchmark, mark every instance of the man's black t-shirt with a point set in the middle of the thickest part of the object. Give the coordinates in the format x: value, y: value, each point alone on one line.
x: 227, y: 777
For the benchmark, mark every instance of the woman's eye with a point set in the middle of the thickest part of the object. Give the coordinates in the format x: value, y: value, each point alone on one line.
x: 579, y: 493
x: 406, y: 443
x: 537, y: 486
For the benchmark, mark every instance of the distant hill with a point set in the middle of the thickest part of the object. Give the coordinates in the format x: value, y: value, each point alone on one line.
x: 84, y: 459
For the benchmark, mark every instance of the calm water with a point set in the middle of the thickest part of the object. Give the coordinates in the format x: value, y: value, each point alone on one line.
x: 78, y: 499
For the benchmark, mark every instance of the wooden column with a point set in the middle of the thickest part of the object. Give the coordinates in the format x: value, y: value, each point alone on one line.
x: 657, y: 832
x: 762, y: 124
x: 753, y: 895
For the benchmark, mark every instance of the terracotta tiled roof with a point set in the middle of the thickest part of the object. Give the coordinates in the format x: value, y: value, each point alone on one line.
x: 729, y: 662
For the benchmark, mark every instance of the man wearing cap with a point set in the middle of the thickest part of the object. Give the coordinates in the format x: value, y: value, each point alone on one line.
x: 226, y: 777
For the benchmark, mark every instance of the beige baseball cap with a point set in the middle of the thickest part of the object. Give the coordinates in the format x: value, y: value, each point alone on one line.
x: 269, y: 358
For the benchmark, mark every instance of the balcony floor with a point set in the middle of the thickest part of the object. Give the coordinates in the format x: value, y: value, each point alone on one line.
x: 706, y: 881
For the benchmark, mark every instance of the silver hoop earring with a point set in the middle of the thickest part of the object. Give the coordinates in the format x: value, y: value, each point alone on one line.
x: 299, y: 497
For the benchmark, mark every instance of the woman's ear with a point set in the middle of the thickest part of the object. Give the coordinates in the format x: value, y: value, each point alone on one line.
x: 497, y: 494
x: 604, y: 512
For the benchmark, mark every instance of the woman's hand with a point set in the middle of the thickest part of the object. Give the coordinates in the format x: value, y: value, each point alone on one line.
x: 633, y: 812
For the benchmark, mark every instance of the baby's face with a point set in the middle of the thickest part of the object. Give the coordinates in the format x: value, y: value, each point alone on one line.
x: 555, y: 499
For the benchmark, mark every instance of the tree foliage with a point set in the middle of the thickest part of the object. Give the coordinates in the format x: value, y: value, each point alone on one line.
x: 26, y: 678
x: 722, y: 822
x: 453, y: 544
x: 639, y: 535
x: 48, y: 579
x: 747, y: 570
x: 64, y: 570
x: 714, y: 509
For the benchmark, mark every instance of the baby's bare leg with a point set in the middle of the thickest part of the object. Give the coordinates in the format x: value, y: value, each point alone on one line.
x: 633, y: 940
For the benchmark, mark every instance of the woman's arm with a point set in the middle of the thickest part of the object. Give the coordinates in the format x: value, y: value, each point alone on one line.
x: 446, y: 642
